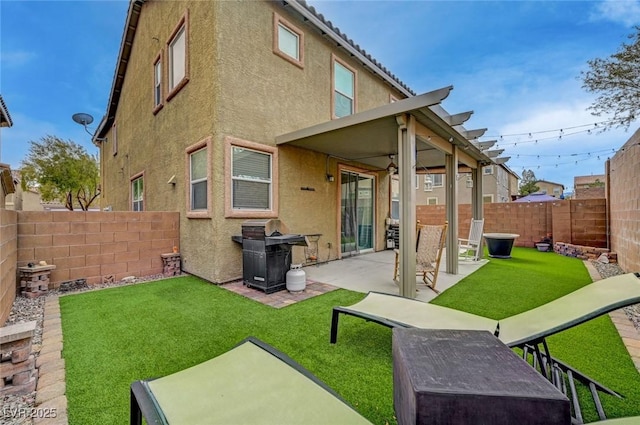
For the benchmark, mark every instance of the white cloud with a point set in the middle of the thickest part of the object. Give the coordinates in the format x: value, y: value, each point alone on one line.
x: 626, y: 12
x: 16, y: 58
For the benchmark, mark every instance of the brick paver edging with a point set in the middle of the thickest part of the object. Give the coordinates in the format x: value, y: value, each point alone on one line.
x: 51, y: 389
x: 628, y: 332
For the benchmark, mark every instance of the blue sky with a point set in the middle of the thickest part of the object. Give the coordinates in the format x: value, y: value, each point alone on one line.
x: 516, y: 64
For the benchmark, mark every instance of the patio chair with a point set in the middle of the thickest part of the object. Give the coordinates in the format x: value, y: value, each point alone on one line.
x: 527, y: 330
x: 253, y: 383
x: 470, y: 248
x: 430, y: 245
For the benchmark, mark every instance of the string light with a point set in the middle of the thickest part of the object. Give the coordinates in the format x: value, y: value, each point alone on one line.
x: 557, y: 130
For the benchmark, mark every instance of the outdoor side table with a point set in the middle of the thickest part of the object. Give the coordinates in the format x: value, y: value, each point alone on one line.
x: 469, y: 377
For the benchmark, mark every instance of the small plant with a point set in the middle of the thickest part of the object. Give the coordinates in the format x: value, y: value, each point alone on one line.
x: 546, y: 243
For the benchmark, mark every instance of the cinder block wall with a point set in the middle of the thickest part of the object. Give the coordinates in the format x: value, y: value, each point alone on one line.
x: 8, y: 258
x: 624, y: 204
x: 96, y: 245
x: 581, y: 222
x: 589, y: 222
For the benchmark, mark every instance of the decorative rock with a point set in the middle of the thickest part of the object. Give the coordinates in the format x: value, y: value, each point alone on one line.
x: 603, y: 258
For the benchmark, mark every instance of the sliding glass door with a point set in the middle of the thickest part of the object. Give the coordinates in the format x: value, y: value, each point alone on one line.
x: 357, y: 194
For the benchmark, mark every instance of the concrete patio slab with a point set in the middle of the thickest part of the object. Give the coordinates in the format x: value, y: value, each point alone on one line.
x: 374, y: 272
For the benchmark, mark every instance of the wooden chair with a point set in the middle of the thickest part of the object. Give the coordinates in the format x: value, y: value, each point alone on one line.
x: 431, y: 240
x: 470, y: 248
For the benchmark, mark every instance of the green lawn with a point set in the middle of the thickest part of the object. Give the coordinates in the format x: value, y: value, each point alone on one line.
x: 115, y: 336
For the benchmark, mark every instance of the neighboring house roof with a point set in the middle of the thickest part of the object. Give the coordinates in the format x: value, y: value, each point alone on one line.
x: 548, y: 182
x: 5, y: 118
x: 536, y: 197
x: 581, y: 180
x: 510, y: 171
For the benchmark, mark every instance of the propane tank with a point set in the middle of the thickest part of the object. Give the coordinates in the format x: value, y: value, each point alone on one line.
x: 296, y: 278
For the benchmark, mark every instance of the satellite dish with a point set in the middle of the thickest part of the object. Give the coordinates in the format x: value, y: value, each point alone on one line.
x: 82, y: 118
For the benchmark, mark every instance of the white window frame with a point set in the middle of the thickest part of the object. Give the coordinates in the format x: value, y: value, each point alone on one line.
x: 280, y: 22
x: 140, y: 202
x: 335, y: 60
x: 230, y: 211
x: 440, y: 177
x: 204, y: 144
x: 432, y: 200
x: 487, y: 170
x: 157, y: 84
x: 265, y: 181
x: 175, y: 85
x: 114, y: 137
x: 489, y: 196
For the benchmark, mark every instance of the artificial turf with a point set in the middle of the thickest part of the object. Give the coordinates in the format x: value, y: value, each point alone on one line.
x: 115, y: 336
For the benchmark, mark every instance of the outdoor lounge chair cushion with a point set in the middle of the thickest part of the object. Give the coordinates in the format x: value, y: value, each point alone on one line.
x: 563, y: 313
x: 251, y: 384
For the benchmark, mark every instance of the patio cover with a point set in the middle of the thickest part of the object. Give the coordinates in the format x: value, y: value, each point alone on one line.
x: 251, y: 384
x: 420, y: 133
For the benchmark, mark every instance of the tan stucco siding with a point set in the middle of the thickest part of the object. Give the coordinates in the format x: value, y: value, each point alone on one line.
x: 238, y: 88
x: 154, y: 144
x: 262, y: 96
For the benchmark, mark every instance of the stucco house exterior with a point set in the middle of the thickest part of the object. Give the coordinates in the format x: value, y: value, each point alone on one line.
x: 499, y: 184
x: 550, y: 188
x: 228, y: 111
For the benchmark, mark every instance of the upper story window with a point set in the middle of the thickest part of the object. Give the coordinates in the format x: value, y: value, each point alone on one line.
x: 137, y: 193
x: 252, y: 179
x: 437, y: 180
x: 344, y: 89
x: 157, y: 83
x: 114, y: 138
x: 488, y: 169
x: 198, y: 179
x: 178, y: 52
x: 288, y: 41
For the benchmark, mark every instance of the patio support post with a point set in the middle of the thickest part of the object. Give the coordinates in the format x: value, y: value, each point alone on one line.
x: 451, y: 196
x: 477, y: 207
x: 406, y: 166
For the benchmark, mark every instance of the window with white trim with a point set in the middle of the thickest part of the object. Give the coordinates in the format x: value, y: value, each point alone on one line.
x: 198, y: 180
x: 251, y: 179
x: 114, y: 137
x: 177, y: 58
x: 157, y: 82
x: 137, y: 194
x: 437, y: 180
x: 288, y: 41
x: 487, y: 199
x: 344, y: 90
x: 488, y: 169
x: 432, y: 201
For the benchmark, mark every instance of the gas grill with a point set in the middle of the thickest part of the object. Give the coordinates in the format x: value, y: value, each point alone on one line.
x: 266, y: 253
